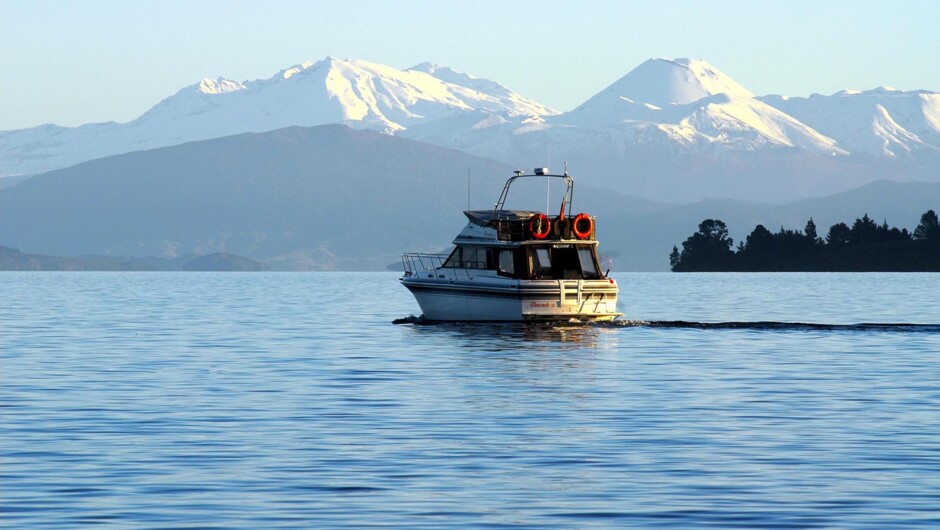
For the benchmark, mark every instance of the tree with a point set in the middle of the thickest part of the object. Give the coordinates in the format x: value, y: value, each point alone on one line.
x: 865, y: 230
x: 709, y: 249
x: 865, y: 246
x: 810, y: 231
x: 760, y: 241
x: 839, y: 234
x: 758, y: 249
x: 929, y: 227
x: 715, y: 230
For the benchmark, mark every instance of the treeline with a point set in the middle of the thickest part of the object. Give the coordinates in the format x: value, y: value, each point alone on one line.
x: 864, y: 246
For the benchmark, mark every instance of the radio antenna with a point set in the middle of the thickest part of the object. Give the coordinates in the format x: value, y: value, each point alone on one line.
x: 468, y: 188
x: 548, y: 185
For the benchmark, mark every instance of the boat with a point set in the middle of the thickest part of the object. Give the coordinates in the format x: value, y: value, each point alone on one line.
x: 516, y: 265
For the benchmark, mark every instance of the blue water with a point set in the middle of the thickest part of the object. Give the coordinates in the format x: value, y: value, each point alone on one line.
x: 187, y: 400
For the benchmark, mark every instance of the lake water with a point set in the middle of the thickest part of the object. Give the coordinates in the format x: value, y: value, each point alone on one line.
x: 171, y: 400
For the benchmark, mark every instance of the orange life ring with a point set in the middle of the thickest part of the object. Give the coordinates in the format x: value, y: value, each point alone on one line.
x: 539, y: 226
x: 582, y: 226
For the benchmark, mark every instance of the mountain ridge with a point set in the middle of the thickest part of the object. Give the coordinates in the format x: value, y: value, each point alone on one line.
x: 667, y: 130
x: 295, y: 200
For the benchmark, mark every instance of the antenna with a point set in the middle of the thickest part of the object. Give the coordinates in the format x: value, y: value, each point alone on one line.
x: 468, y: 188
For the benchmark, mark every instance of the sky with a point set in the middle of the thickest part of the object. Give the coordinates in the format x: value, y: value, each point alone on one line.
x: 71, y: 62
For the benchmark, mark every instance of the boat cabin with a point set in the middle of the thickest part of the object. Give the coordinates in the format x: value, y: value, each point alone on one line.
x: 530, y: 261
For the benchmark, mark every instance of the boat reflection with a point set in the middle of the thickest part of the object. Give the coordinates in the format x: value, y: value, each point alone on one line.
x: 509, y: 336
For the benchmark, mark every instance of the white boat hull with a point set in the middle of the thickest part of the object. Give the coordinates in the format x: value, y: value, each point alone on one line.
x: 516, y: 265
x: 558, y: 300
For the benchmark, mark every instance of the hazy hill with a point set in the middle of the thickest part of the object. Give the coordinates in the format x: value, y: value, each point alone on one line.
x: 643, y: 241
x: 331, y: 197
x: 326, y: 197
x: 12, y: 259
x: 222, y: 262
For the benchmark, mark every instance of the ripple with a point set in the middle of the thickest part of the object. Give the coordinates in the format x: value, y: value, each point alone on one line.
x: 244, y: 401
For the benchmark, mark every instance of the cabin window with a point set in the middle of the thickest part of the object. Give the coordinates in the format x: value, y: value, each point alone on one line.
x: 474, y: 257
x: 540, y: 263
x: 562, y: 262
x: 507, y: 262
x: 469, y: 257
x: 543, y: 259
x: 588, y: 266
x: 454, y: 260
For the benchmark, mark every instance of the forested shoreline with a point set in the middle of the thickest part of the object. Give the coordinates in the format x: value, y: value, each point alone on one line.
x: 865, y: 246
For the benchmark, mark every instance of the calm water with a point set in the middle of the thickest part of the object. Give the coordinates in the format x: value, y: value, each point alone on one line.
x: 172, y: 400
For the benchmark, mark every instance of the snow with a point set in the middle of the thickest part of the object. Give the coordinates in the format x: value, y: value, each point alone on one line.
x: 695, y: 104
x: 219, y: 86
x: 671, y: 106
x: 749, y: 124
x: 663, y: 82
x: 359, y: 93
x: 883, y: 121
x: 892, y: 136
x: 286, y: 74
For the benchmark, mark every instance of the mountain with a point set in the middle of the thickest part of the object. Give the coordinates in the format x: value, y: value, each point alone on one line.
x: 669, y: 130
x: 222, y: 262
x: 332, y: 197
x: 654, y: 85
x: 359, y: 93
x: 883, y: 122
x: 642, y: 240
x: 682, y: 131
x: 671, y: 107
x: 327, y: 197
x: 647, y: 160
x: 12, y: 259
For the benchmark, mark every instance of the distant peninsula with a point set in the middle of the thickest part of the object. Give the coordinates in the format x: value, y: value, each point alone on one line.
x: 12, y: 259
x: 865, y: 246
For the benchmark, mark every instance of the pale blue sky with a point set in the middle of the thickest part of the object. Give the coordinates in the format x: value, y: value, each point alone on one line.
x: 73, y: 62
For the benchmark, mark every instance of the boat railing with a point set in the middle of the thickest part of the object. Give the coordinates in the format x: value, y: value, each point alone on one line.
x: 420, y: 265
x: 538, y: 173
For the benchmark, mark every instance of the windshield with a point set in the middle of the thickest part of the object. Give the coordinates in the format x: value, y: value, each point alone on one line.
x: 562, y: 262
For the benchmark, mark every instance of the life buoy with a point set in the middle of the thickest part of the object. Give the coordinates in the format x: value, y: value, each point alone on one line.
x: 539, y: 226
x: 561, y: 227
x: 582, y: 226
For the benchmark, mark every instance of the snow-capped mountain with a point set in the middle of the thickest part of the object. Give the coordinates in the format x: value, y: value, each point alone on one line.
x: 883, y: 121
x: 655, y: 85
x: 358, y: 93
x: 683, y: 130
x: 694, y: 104
x: 668, y: 130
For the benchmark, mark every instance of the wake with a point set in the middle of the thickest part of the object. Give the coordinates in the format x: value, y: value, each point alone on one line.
x: 685, y: 324
x: 779, y: 326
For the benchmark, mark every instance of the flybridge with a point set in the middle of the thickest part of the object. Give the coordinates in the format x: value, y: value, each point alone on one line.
x: 516, y: 225
x: 538, y: 172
